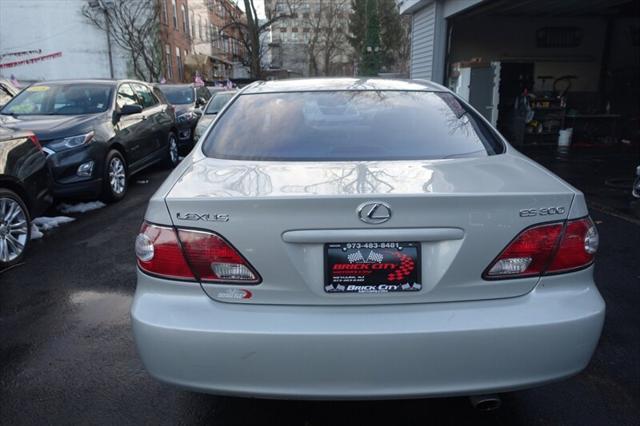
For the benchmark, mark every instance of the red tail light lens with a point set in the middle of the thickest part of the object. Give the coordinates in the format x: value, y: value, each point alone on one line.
x: 34, y: 140
x: 549, y: 248
x: 191, y: 255
x: 577, y: 248
x: 214, y: 260
x: 159, y: 253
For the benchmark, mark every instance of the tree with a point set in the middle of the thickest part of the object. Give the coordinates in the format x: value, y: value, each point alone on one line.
x: 132, y: 25
x: 371, y: 49
x: 358, y: 26
x: 328, y: 40
x: 391, y: 32
x: 378, y: 35
x: 248, y: 28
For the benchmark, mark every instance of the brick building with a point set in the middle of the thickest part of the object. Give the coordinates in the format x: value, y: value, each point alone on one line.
x: 175, y: 34
x: 208, y: 41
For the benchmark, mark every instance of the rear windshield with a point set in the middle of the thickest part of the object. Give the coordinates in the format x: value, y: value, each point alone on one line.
x: 179, y: 95
x: 217, y: 102
x: 349, y: 125
x: 61, y: 99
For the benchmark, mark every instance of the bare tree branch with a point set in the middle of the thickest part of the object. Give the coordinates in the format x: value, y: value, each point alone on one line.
x: 132, y: 25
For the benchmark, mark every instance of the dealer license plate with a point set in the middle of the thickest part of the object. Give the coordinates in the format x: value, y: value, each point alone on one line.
x: 384, y: 267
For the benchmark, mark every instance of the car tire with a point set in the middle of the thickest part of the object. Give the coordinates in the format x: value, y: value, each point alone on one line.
x: 173, y: 153
x: 115, y: 177
x: 15, y: 228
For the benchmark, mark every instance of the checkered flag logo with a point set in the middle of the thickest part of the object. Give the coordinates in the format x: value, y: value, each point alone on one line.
x: 355, y: 257
x: 407, y: 265
x: 375, y: 257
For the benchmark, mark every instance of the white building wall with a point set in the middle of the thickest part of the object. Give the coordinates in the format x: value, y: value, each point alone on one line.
x: 56, y: 26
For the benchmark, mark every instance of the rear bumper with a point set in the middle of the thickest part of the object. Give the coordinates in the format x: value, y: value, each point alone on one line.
x: 355, y: 352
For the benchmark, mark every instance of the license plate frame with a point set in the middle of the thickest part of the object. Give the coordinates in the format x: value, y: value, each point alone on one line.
x: 372, y: 267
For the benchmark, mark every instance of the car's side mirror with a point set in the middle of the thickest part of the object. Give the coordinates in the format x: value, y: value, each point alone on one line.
x: 130, y: 109
x: 201, y: 101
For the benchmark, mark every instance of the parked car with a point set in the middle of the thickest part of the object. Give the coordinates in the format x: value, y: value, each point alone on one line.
x: 211, y: 110
x: 24, y: 191
x: 216, y: 89
x: 188, y: 101
x: 7, y: 91
x: 97, y: 133
x: 350, y: 238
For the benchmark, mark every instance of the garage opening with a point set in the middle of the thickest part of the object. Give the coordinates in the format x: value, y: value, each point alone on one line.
x: 553, y: 74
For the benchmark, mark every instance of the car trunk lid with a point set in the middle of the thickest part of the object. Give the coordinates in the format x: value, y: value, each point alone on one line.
x: 283, y: 218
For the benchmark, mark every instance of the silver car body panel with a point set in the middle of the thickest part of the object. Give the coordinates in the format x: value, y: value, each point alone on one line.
x: 394, y: 351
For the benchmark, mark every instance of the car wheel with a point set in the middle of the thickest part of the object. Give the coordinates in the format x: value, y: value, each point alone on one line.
x: 115, y: 177
x: 15, y: 226
x: 173, y: 155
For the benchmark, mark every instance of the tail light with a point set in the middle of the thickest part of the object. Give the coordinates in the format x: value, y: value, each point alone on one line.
x: 547, y: 249
x: 191, y: 255
x: 34, y: 140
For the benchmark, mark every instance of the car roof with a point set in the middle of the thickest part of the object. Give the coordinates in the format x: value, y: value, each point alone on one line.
x: 175, y: 85
x: 341, y: 84
x: 89, y: 81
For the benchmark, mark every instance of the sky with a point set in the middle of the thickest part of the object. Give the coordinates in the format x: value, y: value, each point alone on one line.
x: 259, y: 6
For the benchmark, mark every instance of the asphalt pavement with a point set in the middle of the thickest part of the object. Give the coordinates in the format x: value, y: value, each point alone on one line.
x: 67, y: 353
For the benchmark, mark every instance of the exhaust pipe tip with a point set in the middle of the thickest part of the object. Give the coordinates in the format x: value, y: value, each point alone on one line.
x: 485, y: 402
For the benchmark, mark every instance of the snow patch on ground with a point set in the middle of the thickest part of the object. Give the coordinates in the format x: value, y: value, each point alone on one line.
x: 80, y: 207
x: 46, y: 223
x: 35, y: 232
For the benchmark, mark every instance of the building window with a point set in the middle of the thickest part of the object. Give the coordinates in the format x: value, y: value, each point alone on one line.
x: 283, y: 30
x: 167, y: 58
x: 179, y: 64
x: 215, y: 36
x: 163, y: 5
x: 185, y: 20
x: 175, y: 13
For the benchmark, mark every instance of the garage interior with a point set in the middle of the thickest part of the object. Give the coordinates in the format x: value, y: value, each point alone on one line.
x: 559, y: 79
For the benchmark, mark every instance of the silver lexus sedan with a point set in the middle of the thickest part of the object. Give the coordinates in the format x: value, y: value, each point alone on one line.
x: 346, y: 238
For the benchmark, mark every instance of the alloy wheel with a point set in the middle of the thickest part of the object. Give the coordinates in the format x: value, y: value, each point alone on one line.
x: 117, y: 175
x: 14, y: 231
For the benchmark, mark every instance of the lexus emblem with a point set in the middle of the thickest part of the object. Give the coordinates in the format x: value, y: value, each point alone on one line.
x: 374, y: 212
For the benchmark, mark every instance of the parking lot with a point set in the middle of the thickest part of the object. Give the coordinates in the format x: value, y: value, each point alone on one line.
x: 67, y: 352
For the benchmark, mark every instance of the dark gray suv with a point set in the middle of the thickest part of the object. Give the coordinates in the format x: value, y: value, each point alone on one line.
x: 96, y: 133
